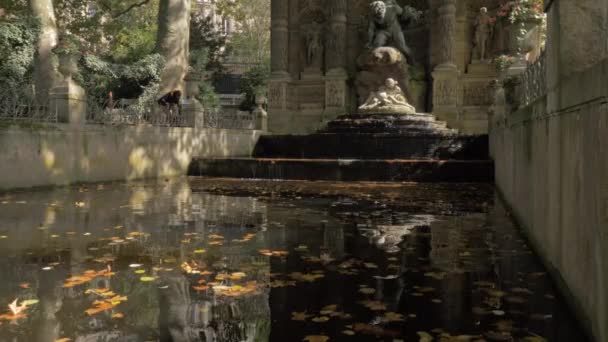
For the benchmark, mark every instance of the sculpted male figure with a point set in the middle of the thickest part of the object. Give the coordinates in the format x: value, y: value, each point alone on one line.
x: 483, y: 31
x: 384, y: 27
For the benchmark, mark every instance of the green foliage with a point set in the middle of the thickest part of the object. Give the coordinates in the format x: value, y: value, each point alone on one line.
x: 199, y: 61
x: 17, y: 49
x: 99, y: 77
x: 254, y: 82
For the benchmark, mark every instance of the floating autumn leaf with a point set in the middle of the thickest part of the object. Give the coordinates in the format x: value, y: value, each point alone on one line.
x: 534, y: 338
x: 79, y: 204
x: 118, y: 315
x: 216, y: 237
x: 140, y: 271
x: 329, y: 309
x: 424, y: 336
x: 348, y: 332
x: 24, y: 286
x: 270, y: 253
x: 245, y: 238
x: 367, y: 290
x: 64, y: 339
x: 147, y: 279
x: 308, y: 277
x: 436, y: 275
x: 316, y: 338
x: 200, y: 287
x: 135, y: 265
x: 282, y: 283
x: 321, y: 319
x: 233, y: 276
x: 373, y: 305
x: 87, y: 276
x: 236, y: 290
x: 199, y: 251
x: 104, y: 305
x: 299, y: 316
x: 215, y: 243
x: 370, y: 265
x: 394, y: 317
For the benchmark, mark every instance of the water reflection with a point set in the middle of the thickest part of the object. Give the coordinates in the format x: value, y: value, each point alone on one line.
x: 159, y: 262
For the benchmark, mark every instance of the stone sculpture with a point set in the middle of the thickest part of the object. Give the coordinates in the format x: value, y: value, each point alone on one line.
x: 385, y: 29
x: 388, y: 99
x: 314, y: 45
x: 483, y: 32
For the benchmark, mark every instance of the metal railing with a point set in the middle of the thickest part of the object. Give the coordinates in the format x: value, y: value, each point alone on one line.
x: 231, y: 120
x: 15, y: 107
x: 532, y: 84
x: 128, y: 112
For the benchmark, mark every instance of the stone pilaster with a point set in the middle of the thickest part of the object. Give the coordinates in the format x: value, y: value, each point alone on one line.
x: 336, y: 88
x: 280, y: 39
x: 447, y: 33
x: 336, y: 50
x: 69, y: 102
x: 279, y: 120
x: 446, y: 75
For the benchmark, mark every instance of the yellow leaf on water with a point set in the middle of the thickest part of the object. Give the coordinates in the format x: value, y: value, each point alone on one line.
x: 299, y: 316
x: 199, y: 251
x: 321, y: 319
x: 348, y: 332
x: 367, y: 290
x: 147, y: 279
x: 140, y: 271
x: 316, y: 338
x: 30, y: 302
x: 424, y: 336
x: 118, y: 315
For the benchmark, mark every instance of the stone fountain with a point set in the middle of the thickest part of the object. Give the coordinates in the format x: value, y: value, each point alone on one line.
x: 385, y: 140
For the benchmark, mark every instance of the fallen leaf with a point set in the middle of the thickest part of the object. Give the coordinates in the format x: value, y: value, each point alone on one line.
x: 316, y: 338
x: 367, y: 290
x: 299, y: 316
x: 147, y: 279
x: 321, y: 319
x: 118, y: 315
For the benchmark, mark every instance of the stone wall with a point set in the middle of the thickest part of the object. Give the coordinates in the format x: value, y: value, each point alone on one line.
x: 552, y: 165
x: 62, y: 154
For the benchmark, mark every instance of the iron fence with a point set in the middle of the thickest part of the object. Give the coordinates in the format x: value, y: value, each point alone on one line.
x: 532, y: 84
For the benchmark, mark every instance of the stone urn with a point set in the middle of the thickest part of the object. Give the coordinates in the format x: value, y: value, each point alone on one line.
x: 524, y: 37
x: 193, y: 80
x: 68, y: 65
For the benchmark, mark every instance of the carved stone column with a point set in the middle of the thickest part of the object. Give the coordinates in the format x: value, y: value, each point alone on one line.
x: 446, y: 75
x: 279, y: 38
x: 336, y: 89
x: 280, y: 77
x: 447, y: 32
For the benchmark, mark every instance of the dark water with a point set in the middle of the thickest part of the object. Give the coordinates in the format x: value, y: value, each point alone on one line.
x: 161, y: 262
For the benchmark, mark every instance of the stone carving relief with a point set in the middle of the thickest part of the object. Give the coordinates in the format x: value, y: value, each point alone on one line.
x: 336, y: 94
x: 275, y: 95
x: 477, y: 94
x: 446, y: 92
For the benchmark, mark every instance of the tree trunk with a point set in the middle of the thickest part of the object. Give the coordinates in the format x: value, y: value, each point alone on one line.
x: 172, y: 42
x: 45, y: 74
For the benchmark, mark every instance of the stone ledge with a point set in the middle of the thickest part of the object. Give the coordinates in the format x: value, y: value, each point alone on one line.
x: 346, y: 169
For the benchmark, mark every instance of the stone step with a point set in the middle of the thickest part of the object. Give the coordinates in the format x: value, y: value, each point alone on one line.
x: 410, y: 145
x: 396, y: 170
x: 395, y: 124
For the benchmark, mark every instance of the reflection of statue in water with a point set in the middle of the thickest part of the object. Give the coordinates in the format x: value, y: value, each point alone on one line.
x: 483, y: 32
x: 384, y: 27
x: 388, y: 98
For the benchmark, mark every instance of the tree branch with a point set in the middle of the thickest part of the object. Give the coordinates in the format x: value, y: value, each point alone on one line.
x: 121, y: 13
x: 139, y: 4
